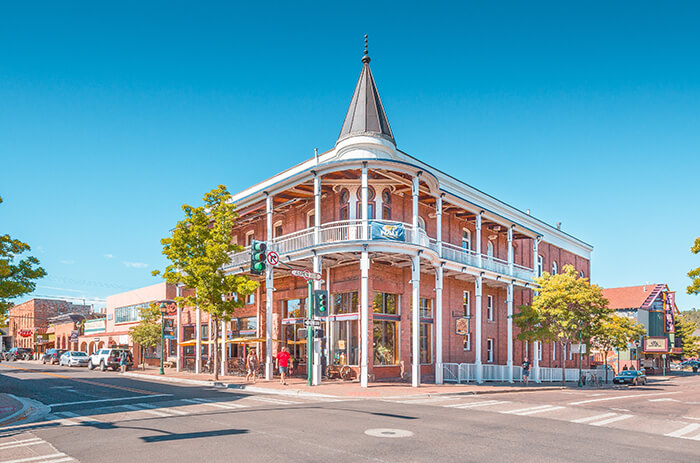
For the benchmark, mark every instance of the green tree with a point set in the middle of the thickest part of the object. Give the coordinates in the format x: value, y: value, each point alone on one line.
x: 199, y: 247
x: 692, y: 315
x: 17, y: 274
x: 694, y: 274
x: 148, y: 332
x: 685, y: 326
x: 566, y: 308
x: 615, y: 332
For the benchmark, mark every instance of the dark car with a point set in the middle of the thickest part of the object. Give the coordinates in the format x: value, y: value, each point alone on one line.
x: 52, y: 356
x: 18, y: 353
x: 633, y: 377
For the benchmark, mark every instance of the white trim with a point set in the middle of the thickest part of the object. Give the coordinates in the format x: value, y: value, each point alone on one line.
x: 489, y: 308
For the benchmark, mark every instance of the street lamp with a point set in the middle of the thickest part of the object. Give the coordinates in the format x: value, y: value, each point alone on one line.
x: 165, y: 308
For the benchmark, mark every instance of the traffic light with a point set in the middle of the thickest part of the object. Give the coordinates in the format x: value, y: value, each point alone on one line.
x: 258, y: 257
x: 321, y: 303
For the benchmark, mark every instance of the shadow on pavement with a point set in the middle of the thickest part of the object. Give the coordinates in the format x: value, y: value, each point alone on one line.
x: 193, y: 435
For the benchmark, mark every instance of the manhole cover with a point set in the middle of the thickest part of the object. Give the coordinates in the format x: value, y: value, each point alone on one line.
x: 391, y: 433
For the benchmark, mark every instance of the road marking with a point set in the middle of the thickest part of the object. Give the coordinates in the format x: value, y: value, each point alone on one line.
x: 274, y: 401
x: 41, y: 457
x: 520, y: 410
x: 213, y: 404
x: 477, y: 404
x: 665, y: 399
x: 109, y: 400
x: 422, y: 400
x: 621, y: 397
x: 691, y: 418
x: 80, y: 418
x: 20, y: 443
x: 687, y: 429
x: 169, y: 410
x: 60, y: 460
x: 594, y: 418
x: 611, y: 420
x: 145, y: 410
x: 619, y: 409
x: 542, y: 410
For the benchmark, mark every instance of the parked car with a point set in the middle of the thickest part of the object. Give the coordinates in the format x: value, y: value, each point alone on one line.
x: 109, y: 358
x: 633, y: 377
x: 22, y: 353
x: 74, y: 358
x: 52, y: 356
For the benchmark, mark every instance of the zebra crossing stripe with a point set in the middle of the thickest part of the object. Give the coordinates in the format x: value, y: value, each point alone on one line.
x: 541, y: 410
x: 513, y: 412
x: 213, y: 404
x: 21, y: 443
x: 168, y: 410
x: 611, y: 420
x: 40, y: 457
x: 681, y: 432
x: 136, y: 408
x: 274, y: 401
x: 487, y: 403
x: 593, y: 418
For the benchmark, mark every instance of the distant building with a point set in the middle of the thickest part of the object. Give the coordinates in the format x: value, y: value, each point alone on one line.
x: 30, y: 320
x: 652, y: 305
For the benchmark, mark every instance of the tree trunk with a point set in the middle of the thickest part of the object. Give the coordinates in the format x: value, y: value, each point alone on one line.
x: 605, y: 360
x: 143, y: 359
x: 215, y: 348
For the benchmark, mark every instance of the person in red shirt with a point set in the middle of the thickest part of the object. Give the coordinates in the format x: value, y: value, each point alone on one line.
x: 283, y: 364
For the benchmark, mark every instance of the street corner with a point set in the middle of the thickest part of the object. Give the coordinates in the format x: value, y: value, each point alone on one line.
x: 20, y: 410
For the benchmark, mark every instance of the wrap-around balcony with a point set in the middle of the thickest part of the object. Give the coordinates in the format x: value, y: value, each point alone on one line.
x: 349, y: 231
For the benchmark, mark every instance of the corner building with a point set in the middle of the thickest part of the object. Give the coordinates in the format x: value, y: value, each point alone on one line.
x: 405, y: 251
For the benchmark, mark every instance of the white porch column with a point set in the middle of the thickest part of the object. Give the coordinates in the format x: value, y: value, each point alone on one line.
x: 510, y: 250
x: 364, y: 313
x: 198, y: 341
x: 478, y: 240
x: 365, y: 203
x: 478, y: 309
x: 509, y: 301
x: 415, y: 333
x: 438, y: 324
x: 224, y: 336
x: 536, y: 360
x: 269, y: 282
x: 317, y: 208
x: 179, y: 330
x: 414, y: 222
x: 438, y: 220
x: 535, y: 254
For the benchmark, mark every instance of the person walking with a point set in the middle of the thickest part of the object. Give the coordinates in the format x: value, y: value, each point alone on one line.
x: 252, y: 365
x: 123, y: 358
x: 283, y: 364
x: 526, y: 370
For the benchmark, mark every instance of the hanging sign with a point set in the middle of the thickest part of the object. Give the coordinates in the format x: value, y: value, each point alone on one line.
x: 462, y: 326
x: 656, y: 344
x: 669, y: 305
x: 25, y: 333
x: 74, y: 335
x: 388, y: 231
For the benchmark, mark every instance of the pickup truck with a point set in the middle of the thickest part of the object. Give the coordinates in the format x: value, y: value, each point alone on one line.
x: 108, y: 358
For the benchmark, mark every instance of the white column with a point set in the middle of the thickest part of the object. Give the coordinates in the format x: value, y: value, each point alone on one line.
x: 536, y: 360
x: 438, y: 324
x: 478, y: 239
x: 179, y: 330
x: 223, y: 348
x: 317, y: 209
x: 509, y: 362
x: 414, y: 222
x: 415, y: 333
x: 269, y: 282
x: 365, y: 203
x: 198, y: 342
x: 211, y: 348
x: 438, y: 220
x: 329, y: 337
x: 510, y: 250
x: 364, y: 314
x: 535, y: 254
x: 478, y: 309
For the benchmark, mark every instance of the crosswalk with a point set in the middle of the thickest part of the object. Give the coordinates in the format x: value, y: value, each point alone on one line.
x: 682, y: 428
x: 27, y: 448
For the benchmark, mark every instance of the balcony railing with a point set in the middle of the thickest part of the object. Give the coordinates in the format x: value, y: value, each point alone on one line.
x: 352, y: 230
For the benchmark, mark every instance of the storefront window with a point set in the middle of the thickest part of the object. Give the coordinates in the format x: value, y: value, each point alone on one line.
x: 294, y: 308
x: 345, y: 303
x: 385, y: 303
x: 386, y: 343
x: 426, y: 308
x: 426, y: 343
x: 345, y: 342
x: 295, y: 342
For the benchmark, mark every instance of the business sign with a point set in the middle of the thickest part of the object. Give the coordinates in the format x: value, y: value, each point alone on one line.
x: 96, y: 325
x: 669, y: 305
x: 25, y: 333
x: 579, y: 349
x: 42, y: 338
x: 655, y: 344
x: 388, y: 231
x: 74, y: 336
x: 462, y: 326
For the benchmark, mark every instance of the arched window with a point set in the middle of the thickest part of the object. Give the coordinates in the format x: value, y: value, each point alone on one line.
x: 466, y: 239
x: 540, y: 265
x: 343, y: 199
x: 489, y: 250
x: 249, y: 236
x: 554, y: 267
x: 581, y: 274
x: 421, y: 223
x: 386, y: 204
x: 370, y: 202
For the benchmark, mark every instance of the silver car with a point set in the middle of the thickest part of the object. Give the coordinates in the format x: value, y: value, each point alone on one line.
x: 74, y: 358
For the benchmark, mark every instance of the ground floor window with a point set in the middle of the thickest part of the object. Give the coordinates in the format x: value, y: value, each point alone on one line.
x: 386, y: 343
x: 295, y: 341
x: 426, y: 343
x: 345, y: 342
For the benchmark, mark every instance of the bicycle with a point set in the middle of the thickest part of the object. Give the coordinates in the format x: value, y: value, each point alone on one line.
x: 594, y: 380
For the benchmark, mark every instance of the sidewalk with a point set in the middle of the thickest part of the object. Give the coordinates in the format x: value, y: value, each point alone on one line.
x: 338, y: 388
x: 15, y: 409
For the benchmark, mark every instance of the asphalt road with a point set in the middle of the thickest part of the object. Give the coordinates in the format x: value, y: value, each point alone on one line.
x: 105, y: 417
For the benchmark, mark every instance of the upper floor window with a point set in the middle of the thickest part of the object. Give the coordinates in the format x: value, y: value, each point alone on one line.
x: 581, y: 274
x: 385, y: 303
x: 426, y: 308
x: 489, y: 249
x: 466, y: 304
x: 370, y: 203
x: 311, y: 218
x: 555, y: 268
x: 249, y: 236
x: 386, y: 204
x: 540, y: 265
x: 421, y: 223
x: 277, y: 229
x: 466, y: 239
x: 344, y: 197
x: 489, y: 308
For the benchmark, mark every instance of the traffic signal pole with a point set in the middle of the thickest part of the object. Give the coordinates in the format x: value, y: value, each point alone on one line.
x: 310, y: 333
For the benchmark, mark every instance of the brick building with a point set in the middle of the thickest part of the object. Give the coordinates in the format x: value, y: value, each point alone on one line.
x: 29, y: 321
x: 399, y: 244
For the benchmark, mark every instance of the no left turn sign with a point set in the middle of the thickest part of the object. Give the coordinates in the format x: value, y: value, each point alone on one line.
x: 273, y: 258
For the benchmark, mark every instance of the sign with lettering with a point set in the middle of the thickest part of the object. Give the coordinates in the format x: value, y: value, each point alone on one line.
x: 25, y: 333
x: 388, y: 231
x: 306, y: 275
x: 93, y: 326
x: 655, y: 344
x: 74, y: 336
x: 669, y: 306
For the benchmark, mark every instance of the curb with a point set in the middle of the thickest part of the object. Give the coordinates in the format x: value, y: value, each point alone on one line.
x: 31, y: 410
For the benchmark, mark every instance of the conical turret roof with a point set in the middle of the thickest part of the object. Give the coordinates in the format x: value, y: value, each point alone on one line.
x: 366, y: 114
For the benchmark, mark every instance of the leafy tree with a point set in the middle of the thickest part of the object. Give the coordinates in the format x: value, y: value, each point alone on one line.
x: 17, y: 275
x: 199, y: 247
x: 692, y: 315
x: 685, y: 327
x: 615, y: 332
x: 148, y: 332
x: 566, y: 308
x: 694, y: 274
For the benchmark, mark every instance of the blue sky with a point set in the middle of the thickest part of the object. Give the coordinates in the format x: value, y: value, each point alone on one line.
x: 113, y: 116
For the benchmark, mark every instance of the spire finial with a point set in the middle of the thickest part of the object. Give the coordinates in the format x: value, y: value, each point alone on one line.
x: 365, y: 57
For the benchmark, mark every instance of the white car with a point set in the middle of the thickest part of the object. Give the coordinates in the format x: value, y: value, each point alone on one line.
x: 74, y: 358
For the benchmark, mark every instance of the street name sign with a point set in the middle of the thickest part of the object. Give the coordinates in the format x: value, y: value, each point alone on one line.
x: 305, y: 274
